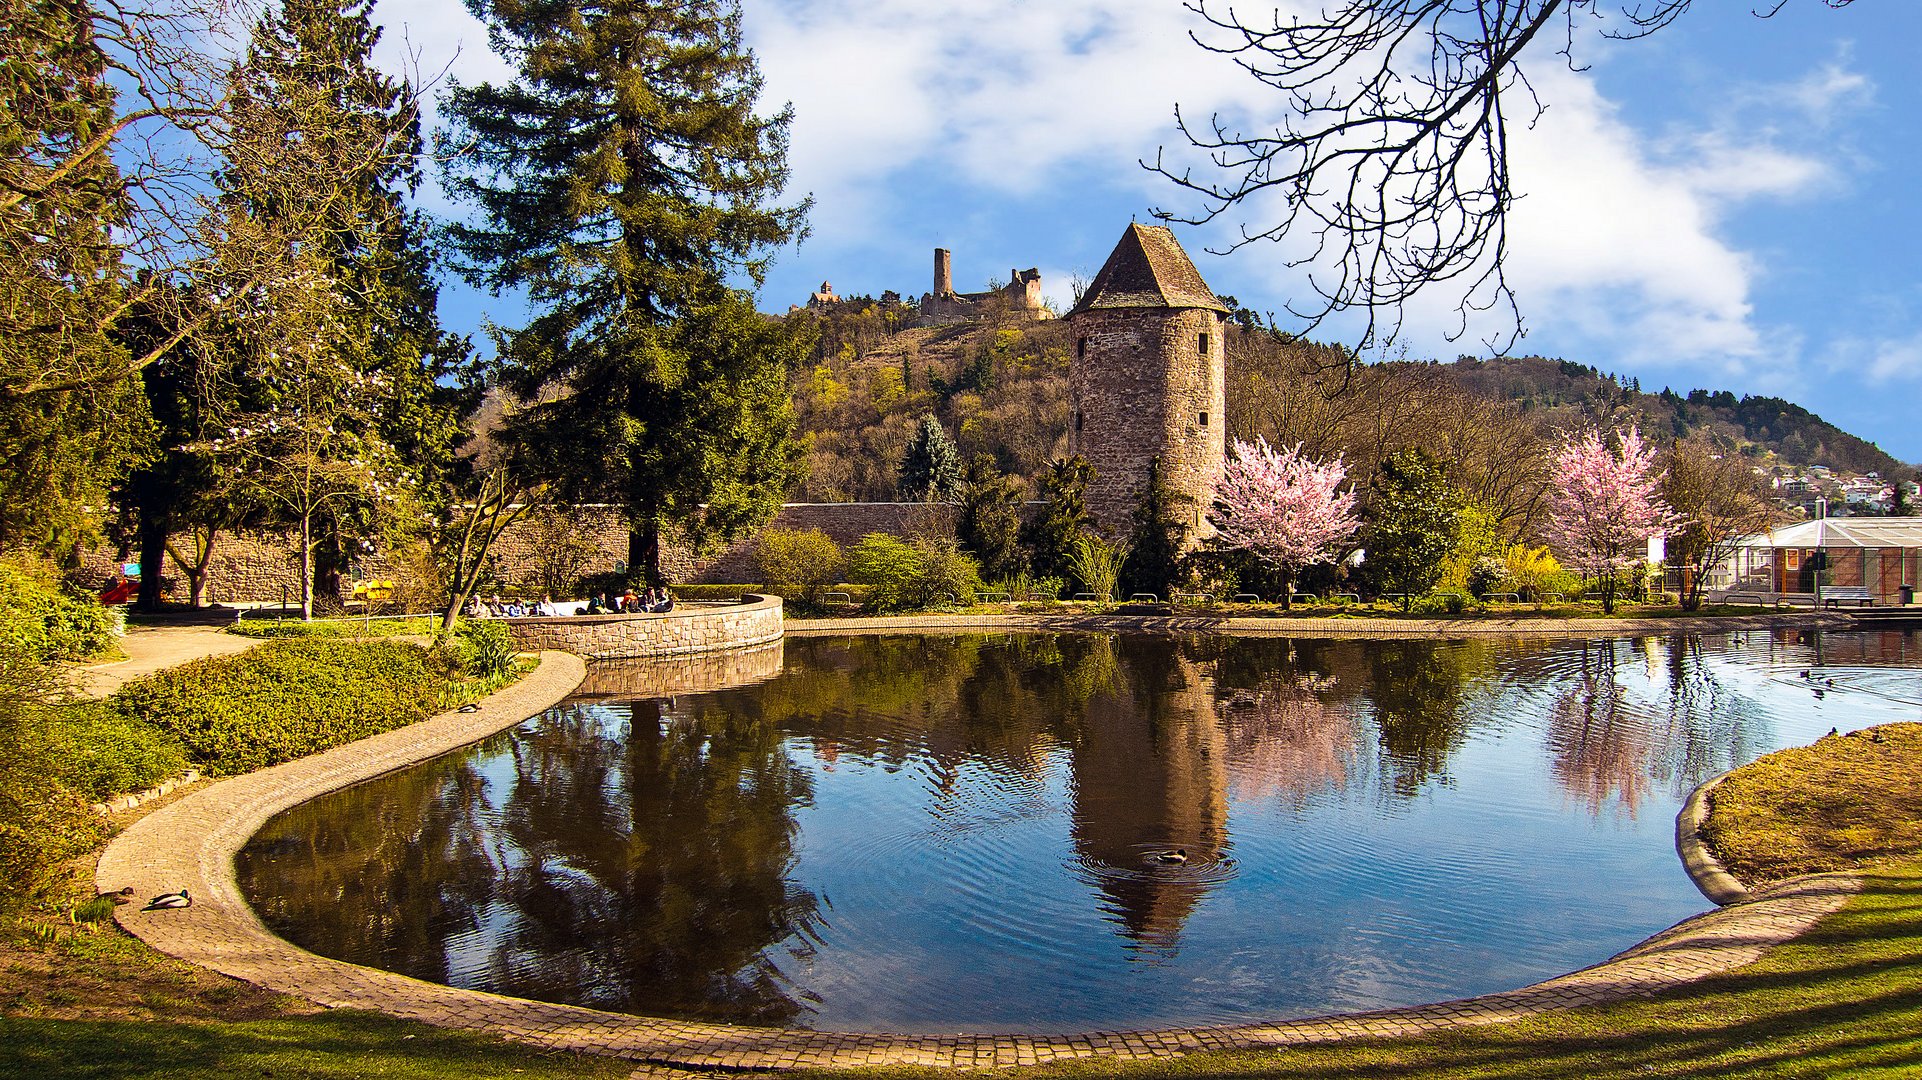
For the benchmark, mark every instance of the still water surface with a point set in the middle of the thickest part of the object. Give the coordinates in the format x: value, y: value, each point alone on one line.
x: 947, y: 833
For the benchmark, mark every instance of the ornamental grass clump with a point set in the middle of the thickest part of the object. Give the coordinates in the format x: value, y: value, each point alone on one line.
x: 288, y: 698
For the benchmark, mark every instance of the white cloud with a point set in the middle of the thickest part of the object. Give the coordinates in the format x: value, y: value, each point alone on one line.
x: 1623, y: 236
x: 1877, y: 360
x: 1620, y: 238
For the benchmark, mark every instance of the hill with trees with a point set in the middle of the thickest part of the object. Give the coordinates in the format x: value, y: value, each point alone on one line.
x: 999, y: 386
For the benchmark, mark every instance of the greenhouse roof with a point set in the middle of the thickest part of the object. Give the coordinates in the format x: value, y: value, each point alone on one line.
x: 1855, y: 532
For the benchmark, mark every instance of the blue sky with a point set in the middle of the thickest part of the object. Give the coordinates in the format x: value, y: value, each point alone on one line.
x: 1728, y: 204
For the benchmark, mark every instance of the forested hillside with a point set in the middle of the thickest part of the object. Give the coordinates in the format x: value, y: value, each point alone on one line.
x: 1795, y: 435
x: 1001, y: 388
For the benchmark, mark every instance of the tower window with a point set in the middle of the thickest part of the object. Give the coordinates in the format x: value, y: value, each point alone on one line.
x: 1204, y: 419
x: 1081, y: 349
x: 1204, y: 351
x: 1077, y: 419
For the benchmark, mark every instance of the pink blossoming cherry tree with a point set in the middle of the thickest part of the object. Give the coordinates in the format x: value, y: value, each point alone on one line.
x: 1603, y: 506
x: 1287, y: 510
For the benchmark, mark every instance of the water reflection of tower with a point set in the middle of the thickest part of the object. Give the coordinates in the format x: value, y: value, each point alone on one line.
x: 1149, y: 775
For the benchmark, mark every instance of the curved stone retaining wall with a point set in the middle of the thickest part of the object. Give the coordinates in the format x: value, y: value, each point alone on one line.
x: 689, y: 628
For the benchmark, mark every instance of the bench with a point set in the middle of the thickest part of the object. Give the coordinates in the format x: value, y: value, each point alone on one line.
x: 1848, y: 594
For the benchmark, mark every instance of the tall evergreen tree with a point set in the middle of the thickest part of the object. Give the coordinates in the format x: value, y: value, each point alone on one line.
x: 329, y: 392
x: 989, y: 523
x: 931, y: 467
x: 71, y: 414
x: 1155, y: 540
x: 1051, y: 537
x: 1410, y: 525
x: 620, y: 179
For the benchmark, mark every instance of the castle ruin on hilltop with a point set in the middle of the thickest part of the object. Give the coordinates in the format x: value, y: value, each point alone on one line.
x: 1020, y: 296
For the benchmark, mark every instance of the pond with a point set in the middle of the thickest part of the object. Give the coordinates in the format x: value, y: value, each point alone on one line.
x: 974, y: 833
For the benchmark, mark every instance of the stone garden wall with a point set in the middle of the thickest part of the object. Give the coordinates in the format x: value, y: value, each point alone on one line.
x: 689, y: 628
x: 254, y: 567
x: 636, y: 678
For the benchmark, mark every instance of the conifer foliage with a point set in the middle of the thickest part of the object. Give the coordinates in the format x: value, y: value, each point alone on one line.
x: 931, y: 468
x: 70, y: 410
x: 620, y: 179
x: 321, y: 367
x: 1414, y: 519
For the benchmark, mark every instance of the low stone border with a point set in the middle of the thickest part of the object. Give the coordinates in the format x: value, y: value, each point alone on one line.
x: 141, y: 798
x: 692, y: 627
x: 1291, y: 626
x: 1707, y: 871
x: 191, y: 844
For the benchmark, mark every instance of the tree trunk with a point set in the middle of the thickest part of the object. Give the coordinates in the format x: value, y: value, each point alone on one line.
x: 644, y: 552
x: 1288, y: 591
x: 153, y: 557
x: 306, y: 569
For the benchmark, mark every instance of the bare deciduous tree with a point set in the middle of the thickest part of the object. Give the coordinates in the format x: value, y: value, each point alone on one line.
x: 1390, y: 169
x: 1720, y: 502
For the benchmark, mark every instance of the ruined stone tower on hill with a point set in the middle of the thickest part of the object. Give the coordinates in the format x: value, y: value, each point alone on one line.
x: 1145, y: 380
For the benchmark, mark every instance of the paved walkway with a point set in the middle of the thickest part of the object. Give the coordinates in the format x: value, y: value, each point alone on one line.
x: 151, y: 648
x: 191, y: 844
x: 1067, y: 618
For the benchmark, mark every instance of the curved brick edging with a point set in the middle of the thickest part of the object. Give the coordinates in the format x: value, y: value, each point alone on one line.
x: 1290, y: 626
x: 192, y: 844
x: 1707, y: 871
x: 692, y: 627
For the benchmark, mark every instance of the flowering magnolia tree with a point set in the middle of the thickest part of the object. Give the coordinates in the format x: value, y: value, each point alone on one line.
x: 1287, y: 510
x: 1604, y: 504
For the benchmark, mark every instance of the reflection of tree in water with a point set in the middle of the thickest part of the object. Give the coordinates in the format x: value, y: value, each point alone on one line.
x: 1287, y: 740
x: 1600, y: 750
x: 653, y: 863
x: 1711, y: 728
x: 1418, y: 690
x: 381, y: 874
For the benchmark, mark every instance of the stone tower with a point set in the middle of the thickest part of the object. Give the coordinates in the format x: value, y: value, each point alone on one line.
x: 1145, y: 379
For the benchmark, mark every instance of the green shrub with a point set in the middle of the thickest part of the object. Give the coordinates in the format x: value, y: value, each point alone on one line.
x: 888, y: 565
x: 285, y: 699
x: 100, y: 752
x: 804, y: 559
x: 1447, y: 603
x: 718, y: 592
x: 270, y: 629
x: 43, y: 824
x: 484, y: 649
x: 910, y: 576
x: 42, y: 623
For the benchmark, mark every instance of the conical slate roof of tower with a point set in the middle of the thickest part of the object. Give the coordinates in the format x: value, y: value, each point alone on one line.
x: 1148, y: 269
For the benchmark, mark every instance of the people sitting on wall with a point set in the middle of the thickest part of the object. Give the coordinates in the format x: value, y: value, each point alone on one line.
x: 597, y: 605
x: 629, y: 603
x: 658, y: 601
x: 547, y: 607
x: 515, y: 609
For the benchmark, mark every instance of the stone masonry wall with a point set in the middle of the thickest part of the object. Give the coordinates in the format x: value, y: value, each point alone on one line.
x: 253, y: 567
x: 1140, y: 384
x: 689, y: 628
x: 657, y: 676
